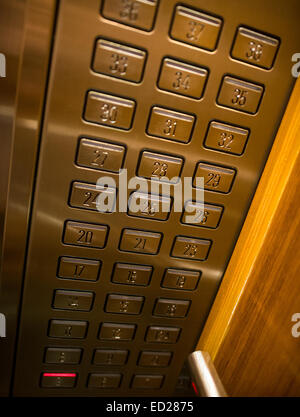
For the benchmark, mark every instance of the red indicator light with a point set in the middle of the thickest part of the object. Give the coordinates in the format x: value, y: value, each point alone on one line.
x: 62, y: 375
x: 195, y: 388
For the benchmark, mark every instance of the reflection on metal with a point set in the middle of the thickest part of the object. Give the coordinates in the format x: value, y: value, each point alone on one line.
x: 25, y: 35
x: 205, y: 379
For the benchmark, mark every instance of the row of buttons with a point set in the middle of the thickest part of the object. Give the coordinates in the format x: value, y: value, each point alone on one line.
x: 118, y: 112
x: 195, y: 28
x: 110, y: 157
x: 73, y: 356
x: 116, y: 303
x: 77, y: 329
x: 141, y: 205
x: 175, y: 76
x: 128, y: 274
x: 157, y: 166
x: 140, y: 241
x: 99, y: 380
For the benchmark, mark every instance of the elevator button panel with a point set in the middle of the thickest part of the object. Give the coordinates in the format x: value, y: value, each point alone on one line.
x: 183, y: 100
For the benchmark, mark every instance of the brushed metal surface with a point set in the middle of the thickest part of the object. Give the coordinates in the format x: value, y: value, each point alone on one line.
x: 25, y: 36
x: 70, y: 81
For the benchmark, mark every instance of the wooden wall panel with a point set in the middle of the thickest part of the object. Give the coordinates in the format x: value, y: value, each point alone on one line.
x: 249, y: 330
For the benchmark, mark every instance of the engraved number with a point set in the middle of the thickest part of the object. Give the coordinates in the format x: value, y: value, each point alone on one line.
x: 170, y: 127
x: 108, y: 113
x: 171, y: 309
x: 150, y: 208
x: 140, y: 244
x: 195, y: 29
x: 119, y: 64
x: 239, y: 97
x: 160, y: 169
x: 73, y: 301
x: 68, y: 331
x: 190, y: 250
x: 213, y: 180
x: 124, y: 306
x: 200, y: 214
x: 78, y: 270
x: 116, y: 333
x: 162, y: 335
x: 180, y: 281
x: 255, y: 51
x: 90, y: 198
x: 225, y: 141
x: 129, y: 10
x: 85, y: 236
x: 155, y: 360
x: 109, y: 358
x: 101, y: 157
x: 132, y: 275
x: 181, y: 81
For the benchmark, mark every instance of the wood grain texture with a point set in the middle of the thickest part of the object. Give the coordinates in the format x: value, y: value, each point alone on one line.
x: 249, y: 330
